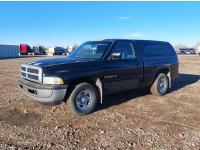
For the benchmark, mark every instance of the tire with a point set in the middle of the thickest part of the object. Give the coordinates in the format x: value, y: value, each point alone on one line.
x: 160, y: 85
x: 83, y: 99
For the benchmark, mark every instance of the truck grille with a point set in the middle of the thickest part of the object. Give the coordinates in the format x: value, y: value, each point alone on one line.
x: 32, y: 73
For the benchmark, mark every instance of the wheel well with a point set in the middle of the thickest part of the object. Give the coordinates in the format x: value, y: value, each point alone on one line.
x: 94, y: 81
x: 166, y: 71
x: 162, y: 70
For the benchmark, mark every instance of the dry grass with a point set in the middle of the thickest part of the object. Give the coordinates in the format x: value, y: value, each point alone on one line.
x: 128, y: 120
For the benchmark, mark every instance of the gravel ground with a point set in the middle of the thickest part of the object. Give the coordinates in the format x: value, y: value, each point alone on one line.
x: 126, y: 120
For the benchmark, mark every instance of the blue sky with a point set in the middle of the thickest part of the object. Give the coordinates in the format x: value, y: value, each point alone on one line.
x: 60, y: 23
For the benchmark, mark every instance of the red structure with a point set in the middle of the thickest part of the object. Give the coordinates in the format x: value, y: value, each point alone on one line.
x: 25, y: 49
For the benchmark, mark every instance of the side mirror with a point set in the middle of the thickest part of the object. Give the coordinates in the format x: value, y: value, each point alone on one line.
x: 116, y: 56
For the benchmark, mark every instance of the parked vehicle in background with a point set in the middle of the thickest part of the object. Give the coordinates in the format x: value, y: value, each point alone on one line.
x: 97, y: 68
x: 187, y: 51
x: 55, y: 51
x: 39, y: 50
x: 25, y: 49
x: 66, y: 52
x: 59, y: 50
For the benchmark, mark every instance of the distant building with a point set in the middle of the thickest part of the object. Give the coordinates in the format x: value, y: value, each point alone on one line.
x: 9, y: 51
x: 198, y: 50
x: 50, y: 51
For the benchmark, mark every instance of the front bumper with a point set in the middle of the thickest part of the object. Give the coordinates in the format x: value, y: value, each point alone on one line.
x: 45, y: 94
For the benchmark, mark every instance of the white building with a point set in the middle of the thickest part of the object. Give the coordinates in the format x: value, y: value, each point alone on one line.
x: 50, y: 51
x: 198, y: 50
x: 9, y: 51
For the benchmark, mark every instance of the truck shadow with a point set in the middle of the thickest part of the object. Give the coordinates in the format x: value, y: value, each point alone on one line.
x: 184, y: 80
x: 122, y: 97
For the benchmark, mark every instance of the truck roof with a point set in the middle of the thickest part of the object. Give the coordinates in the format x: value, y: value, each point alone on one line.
x: 114, y: 40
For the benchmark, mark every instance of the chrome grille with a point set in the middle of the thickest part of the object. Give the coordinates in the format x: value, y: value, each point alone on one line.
x: 32, y: 73
x: 23, y: 68
x: 32, y: 70
x: 23, y: 74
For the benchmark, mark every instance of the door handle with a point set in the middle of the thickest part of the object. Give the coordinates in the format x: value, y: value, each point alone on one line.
x: 111, y: 76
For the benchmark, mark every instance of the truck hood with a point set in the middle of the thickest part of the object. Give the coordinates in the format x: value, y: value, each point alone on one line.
x: 54, y: 61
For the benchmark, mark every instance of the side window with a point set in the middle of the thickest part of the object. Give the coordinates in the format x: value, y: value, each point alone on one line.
x: 125, y: 49
x: 152, y: 50
x: 157, y: 50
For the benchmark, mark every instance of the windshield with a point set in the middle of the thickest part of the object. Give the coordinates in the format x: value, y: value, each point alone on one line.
x: 90, y: 50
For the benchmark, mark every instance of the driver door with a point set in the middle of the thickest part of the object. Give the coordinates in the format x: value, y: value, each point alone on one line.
x: 123, y: 70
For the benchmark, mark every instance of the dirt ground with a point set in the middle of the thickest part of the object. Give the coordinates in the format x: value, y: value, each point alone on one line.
x: 126, y: 120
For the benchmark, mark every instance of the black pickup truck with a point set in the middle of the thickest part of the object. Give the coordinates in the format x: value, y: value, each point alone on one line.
x: 97, y: 68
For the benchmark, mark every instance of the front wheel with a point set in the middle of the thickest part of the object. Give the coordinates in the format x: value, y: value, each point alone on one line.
x: 83, y: 99
x: 160, y: 85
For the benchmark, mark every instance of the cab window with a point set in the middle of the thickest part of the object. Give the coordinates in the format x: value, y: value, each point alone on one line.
x: 124, y: 51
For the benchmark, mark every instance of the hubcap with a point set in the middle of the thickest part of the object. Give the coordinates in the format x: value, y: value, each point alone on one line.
x: 162, y: 85
x: 84, y: 99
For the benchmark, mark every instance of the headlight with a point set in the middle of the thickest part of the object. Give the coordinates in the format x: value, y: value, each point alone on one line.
x: 52, y: 80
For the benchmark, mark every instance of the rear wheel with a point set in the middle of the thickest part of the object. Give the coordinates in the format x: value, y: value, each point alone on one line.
x: 83, y: 99
x: 160, y: 85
